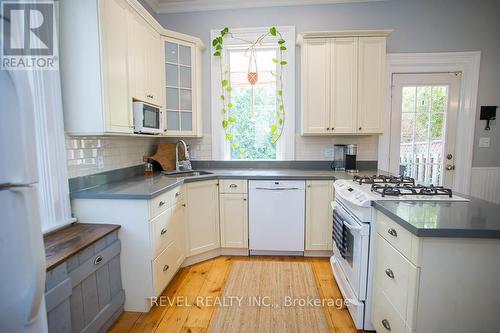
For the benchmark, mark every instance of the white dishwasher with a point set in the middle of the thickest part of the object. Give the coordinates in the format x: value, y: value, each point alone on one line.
x: 276, y: 217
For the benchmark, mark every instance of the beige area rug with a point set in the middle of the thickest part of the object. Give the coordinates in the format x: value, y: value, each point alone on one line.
x: 270, y: 297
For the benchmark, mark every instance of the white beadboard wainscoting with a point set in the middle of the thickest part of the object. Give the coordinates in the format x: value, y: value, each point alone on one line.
x: 485, y: 184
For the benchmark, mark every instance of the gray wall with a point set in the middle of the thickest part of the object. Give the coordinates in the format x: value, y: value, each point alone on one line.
x: 419, y: 26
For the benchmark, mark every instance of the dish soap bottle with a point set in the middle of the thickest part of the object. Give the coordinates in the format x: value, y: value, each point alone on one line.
x: 148, y: 168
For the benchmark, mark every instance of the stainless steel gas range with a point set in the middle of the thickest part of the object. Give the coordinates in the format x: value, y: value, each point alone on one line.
x: 354, y: 223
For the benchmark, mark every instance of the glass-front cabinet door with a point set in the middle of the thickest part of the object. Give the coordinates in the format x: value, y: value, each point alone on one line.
x: 179, y: 91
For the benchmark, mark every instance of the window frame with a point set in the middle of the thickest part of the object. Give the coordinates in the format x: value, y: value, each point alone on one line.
x: 285, y: 149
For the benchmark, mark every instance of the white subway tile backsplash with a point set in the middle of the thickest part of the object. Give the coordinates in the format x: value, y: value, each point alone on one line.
x: 89, y: 155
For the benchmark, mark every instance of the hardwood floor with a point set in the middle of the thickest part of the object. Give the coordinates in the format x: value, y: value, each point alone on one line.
x: 205, y: 281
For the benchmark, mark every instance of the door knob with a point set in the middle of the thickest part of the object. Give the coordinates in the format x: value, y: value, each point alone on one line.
x: 450, y: 167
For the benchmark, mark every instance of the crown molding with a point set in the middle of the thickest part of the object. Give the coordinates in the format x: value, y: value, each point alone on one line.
x: 343, y: 33
x: 184, y: 6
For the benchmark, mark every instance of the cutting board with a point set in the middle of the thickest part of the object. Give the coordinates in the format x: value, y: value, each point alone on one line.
x: 165, y: 156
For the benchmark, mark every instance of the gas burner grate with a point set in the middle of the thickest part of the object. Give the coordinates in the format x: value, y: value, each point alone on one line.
x: 410, y: 189
x: 381, y: 179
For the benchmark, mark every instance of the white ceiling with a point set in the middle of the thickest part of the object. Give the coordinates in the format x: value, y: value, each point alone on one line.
x: 183, y: 6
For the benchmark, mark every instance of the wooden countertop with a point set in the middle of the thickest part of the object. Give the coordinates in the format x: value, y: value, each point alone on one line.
x: 63, y: 243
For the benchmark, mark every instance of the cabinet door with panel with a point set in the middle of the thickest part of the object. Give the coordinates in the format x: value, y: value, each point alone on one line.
x: 315, y: 87
x: 180, y: 93
x: 114, y: 46
x: 202, y: 200
x: 343, y: 85
x: 319, y: 195
x: 234, y: 220
x: 371, y: 84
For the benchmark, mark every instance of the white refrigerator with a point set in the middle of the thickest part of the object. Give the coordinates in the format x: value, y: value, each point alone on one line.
x: 22, y: 255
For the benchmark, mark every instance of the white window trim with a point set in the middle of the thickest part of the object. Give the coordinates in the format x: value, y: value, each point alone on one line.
x: 466, y: 62
x: 286, y: 144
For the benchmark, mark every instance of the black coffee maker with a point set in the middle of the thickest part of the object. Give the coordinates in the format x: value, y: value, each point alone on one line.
x: 344, y: 158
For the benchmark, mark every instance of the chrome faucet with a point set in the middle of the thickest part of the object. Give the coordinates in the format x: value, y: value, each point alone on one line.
x: 184, y: 165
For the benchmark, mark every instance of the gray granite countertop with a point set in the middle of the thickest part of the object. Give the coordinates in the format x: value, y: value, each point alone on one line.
x: 142, y: 188
x: 473, y: 219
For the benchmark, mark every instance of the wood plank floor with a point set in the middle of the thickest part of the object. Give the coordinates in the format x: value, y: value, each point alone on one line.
x: 193, y: 287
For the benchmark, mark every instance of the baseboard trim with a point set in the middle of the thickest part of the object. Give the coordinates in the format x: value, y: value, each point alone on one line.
x: 319, y: 253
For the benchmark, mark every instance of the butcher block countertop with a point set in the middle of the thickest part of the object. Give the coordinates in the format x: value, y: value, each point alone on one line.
x: 63, y: 243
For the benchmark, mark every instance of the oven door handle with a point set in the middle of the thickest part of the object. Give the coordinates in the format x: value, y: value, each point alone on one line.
x: 352, y: 227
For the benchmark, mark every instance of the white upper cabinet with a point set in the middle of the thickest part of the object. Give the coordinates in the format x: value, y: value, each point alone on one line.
x: 112, y: 53
x: 371, y: 84
x: 145, y: 62
x: 343, y: 82
x: 315, y: 86
x: 181, y: 87
x: 343, y: 87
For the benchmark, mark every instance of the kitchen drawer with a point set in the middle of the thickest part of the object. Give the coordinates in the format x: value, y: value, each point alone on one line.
x: 233, y: 186
x: 396, y: 277
x: 159, y: 204
x: 383, y: 312
x: 396, y: 235
x: 163, y: 232
x: 164, y: 268
x: 176, y: 195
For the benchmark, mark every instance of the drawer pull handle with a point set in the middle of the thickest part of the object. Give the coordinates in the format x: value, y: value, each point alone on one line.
x: 233, y: 186
x: 163, y: 231
x: 161, y: 203
x: 392, y: 232
x: 386, y: 324
x: 389, y: 273
x: 165, y: 268
x: 97, y: 260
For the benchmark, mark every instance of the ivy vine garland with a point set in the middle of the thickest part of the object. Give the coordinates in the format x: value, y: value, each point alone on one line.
x: 229, y: 120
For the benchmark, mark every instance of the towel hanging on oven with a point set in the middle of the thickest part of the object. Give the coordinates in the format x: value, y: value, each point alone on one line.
x: 339, y: 233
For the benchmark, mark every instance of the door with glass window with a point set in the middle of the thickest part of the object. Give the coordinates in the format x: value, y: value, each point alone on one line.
x: 423, y: 126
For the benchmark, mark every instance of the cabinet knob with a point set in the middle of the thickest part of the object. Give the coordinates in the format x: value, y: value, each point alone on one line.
x: 163, y: 231
x: 177, y: 194
x: 244, y: 199
x: 233, y: 186
x: 389, y: 273
x: 386, y: 324
x: 165, y: 268
x: 161, y: 203
x: 359, y: 128
x: 328, y: 128
x: 392, y: 232
x: 183, y: 205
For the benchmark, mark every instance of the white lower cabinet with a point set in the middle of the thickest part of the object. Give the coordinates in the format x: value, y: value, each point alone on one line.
x: 152, y: 235
x: 319, y: 195
x: 234, y: 220
x: 202, y: 200
x: 433, y: 284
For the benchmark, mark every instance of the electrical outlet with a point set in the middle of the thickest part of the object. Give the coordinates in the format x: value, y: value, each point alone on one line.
x: 484, y: 142
x: 328, y: 153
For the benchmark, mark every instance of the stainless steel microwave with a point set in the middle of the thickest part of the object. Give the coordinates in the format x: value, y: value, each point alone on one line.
x: 148, y: 118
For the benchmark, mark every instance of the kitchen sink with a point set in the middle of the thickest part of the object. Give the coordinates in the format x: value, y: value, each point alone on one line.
x: 185, y: 174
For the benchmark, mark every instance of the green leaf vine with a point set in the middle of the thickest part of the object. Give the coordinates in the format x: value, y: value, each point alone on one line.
x: 229, y: 120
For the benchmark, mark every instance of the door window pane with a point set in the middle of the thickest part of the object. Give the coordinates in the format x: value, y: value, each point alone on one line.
x: 185, y: 76
x: 423, y: 133
x: 171, y: 75
x: 171, y: 52
x: 184, y: 55
x: 172, y: 101
x: 173, y: 120
x: 186, y: 99
x: 186, y: 121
